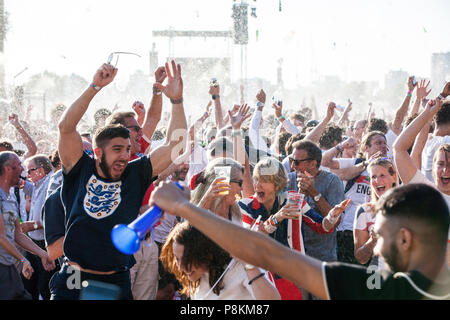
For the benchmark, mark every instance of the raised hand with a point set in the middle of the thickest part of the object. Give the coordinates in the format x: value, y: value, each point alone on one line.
x: 422, y: 91
x: 434, y: 105
x: 411, y: 86
x: 104, y: 75
x: 14, y: 119
x: 209, y: 107
x: 446, y: 91
x: 139, y: 108
x: 242, y: 115
x: 278, y: 109
x: 214, y: 90
x: 235, y: 109
x: 330, y: 110
x: 174, y: 87
x: 261, y: 96
x: 160, y: 74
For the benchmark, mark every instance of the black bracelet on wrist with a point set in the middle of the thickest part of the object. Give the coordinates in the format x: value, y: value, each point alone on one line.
x: 215, y: 96
x: 177, y: 101
x: 256, y: 278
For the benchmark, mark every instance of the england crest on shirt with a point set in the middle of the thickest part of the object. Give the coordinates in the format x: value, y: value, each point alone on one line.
x: 102, y: 198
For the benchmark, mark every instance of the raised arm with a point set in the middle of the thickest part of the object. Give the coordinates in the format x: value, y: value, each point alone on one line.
x: 421, y: 93
x: 26, y: 138
x: 214, y: 91
x: 240, y: 155
x: 153, y: 114
x: 254, y: 129
x: 403, y: 162
x: 314, y: 134
x: 176, y: 137
x: 402, y: 111
x: 70, y: 146
x: 328, y: 157
x: 288, y: 125
x: 344, y: 120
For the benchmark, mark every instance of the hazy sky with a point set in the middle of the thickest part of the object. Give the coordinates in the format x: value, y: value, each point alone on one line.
x: 355, y: 39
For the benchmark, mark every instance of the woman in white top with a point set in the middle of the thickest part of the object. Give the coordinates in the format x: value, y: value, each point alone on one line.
x: 408, y: 170
x: 383, y: 177
x: 206, y: 271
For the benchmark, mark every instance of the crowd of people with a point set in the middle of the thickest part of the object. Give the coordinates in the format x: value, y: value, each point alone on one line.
x: 303, y: 213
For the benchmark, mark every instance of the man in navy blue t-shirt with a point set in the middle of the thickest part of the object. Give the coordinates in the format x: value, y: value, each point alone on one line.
x: 100, y: 193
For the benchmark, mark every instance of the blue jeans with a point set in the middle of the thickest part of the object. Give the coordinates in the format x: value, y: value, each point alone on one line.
x: 67, y: 284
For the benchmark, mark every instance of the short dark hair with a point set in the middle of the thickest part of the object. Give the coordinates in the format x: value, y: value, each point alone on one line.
x: 420, y: 205
x: 331, y: 134
x: 378, y: 125
x: 442, y: 117
x: 54, y: 158
x: 311, y: 148
x: 282, y: 141
x: 104, y: 134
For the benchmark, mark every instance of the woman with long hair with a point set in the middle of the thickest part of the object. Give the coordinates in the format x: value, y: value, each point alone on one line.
x: 383, y: 176
x: 205, y: 271
x: 213, y: 193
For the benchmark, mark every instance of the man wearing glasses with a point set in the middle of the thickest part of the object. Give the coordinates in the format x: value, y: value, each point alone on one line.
x: 105, y: 191
x: 323, y: 190
x: 39, y: 171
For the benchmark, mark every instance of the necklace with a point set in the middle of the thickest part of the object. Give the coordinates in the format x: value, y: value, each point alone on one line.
x: 425, y: 294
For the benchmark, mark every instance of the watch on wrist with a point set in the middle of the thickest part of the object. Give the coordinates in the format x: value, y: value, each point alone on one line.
x: 317, y: 198
x: 215, y: 96
x: 35, y: 225
x: 259, y: 104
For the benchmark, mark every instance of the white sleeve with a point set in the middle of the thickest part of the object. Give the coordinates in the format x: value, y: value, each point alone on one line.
x: 345, y: 162
x: 290, y: 127
x: 254, y: 135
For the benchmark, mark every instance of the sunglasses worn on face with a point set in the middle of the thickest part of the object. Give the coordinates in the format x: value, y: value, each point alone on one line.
x: 32, y: 169
x: 239, y: 182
